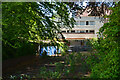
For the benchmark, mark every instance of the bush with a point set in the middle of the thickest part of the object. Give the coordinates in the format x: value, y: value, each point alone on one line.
x: 107, y: 49
x: 26, y: 48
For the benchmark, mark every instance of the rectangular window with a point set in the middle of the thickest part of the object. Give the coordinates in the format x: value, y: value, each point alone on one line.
x: 92, y: 22
x: 86, y: 31
x: 92, y: 31
x: 78, y: 31
x: 87, y: 23
x: 63, y: 31
x: 82, y: 31
x: 73, y: 31
x: 68, y: 31
x: 82, y: 22
x: 77, y: 23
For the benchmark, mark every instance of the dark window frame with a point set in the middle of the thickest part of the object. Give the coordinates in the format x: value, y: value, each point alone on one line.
x: 72, y: 31
x: 86, y: 31
x: 87, y: 22
x: 92, y: 31
x: 63, y: 31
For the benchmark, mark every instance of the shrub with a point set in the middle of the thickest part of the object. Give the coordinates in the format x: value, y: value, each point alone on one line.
x: 107, y: 49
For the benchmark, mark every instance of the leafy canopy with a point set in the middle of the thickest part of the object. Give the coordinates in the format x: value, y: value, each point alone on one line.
x: 33, y: 21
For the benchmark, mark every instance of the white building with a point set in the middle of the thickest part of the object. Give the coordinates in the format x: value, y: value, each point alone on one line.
x: 86, y: 28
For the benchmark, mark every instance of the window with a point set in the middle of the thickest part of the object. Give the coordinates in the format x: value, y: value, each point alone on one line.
x: 77, y: 23
x: 68, y: 31
x: 73, y: 31
x: 78, y: 31
x: 63, y: 31
x: 86, y: 31
x: 87, y: 23
x: 82, y: 31
x: 92, y: 22
x: 92, y: 31
x: 82, y: 23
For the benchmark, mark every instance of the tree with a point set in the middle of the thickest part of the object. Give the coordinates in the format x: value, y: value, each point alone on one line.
x: 108, y: 48
x: 33, y: 21
x: 27, y: 23
x: 93, y: 8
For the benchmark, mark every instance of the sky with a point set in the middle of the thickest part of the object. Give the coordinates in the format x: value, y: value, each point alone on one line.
x: 83, y: 4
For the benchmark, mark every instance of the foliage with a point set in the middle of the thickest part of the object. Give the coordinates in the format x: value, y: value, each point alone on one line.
x: 20, y: 77
x: 32, y: 22
x: 58, y: 72
x: 107, y: 48
x: 93, y: 8
x: 59, y: 67
x: 74, y: 60
x: 71, y: 61
x: 44, y: 73
x: 67, y: 69
x: 26, y: 49
x: 61, y: 70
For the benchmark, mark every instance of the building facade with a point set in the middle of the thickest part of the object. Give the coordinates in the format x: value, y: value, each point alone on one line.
x: 85, y: 28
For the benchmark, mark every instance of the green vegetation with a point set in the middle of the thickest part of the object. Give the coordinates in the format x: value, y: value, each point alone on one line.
x: 73, y: 66
x: 27, y: 23
x: 25, y: 49
x: 105, y: 59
